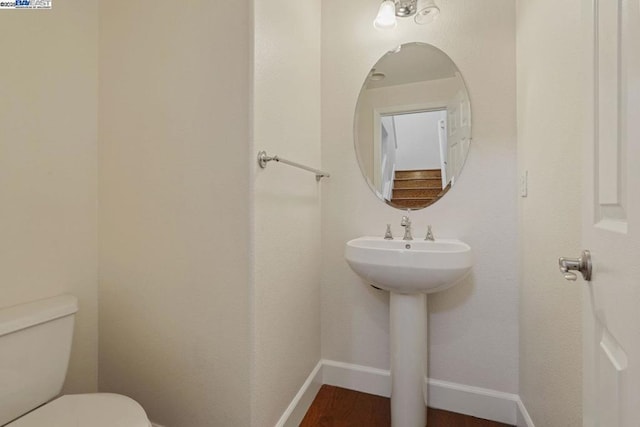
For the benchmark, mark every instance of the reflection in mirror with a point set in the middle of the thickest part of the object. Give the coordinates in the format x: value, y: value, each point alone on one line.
x: 412, y: 126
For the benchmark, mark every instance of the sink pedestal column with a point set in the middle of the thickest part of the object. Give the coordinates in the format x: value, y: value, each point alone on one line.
x: 408, y: 336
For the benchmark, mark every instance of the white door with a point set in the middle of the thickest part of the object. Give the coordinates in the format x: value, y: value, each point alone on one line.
x: 611, y: 216
x: 444, y: 151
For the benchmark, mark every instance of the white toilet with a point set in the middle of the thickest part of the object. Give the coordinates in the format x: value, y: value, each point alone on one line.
x: 35, y: 344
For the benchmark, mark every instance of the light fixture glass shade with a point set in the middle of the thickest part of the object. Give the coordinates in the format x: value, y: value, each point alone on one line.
x: 427, y: 12
x: 386, y: 18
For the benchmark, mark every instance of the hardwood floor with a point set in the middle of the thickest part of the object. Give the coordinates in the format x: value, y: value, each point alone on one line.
x: 339, y: 407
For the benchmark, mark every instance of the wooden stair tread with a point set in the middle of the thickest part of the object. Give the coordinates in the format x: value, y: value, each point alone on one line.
x: 412, y: 204
x: 406, y: 199
x: 417, y: 188
x: 417, y: 183
x: 418, y: 174
x: 416, y: 192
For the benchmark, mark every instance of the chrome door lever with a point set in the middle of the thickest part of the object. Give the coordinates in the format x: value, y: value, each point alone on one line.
x: 582, y: 264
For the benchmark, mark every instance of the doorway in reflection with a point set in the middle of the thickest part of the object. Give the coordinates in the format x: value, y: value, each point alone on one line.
x: 413, y: 156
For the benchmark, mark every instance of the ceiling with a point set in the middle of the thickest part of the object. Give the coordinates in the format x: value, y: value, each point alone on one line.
x: 414, y: 62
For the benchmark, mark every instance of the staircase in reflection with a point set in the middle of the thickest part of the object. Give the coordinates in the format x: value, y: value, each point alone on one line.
x: 417, y: 188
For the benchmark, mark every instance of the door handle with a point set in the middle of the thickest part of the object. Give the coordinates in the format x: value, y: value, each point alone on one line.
x: 582, y: 264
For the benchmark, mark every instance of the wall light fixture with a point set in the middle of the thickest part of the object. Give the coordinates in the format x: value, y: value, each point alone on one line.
x: 423, y: 11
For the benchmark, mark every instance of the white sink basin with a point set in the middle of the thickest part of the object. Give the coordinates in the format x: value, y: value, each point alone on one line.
x: 409, y: 267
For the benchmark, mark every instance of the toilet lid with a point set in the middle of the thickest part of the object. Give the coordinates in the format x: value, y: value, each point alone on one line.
x: 80, y: 410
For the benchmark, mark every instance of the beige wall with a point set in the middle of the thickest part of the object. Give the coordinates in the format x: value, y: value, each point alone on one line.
x: 550, y: 110
x: 174, y: 208
x: 286, y: 299
x: 474, y: 326
x: 48, y: 187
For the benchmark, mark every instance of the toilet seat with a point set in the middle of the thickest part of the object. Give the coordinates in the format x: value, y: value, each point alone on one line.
x: 95, y: 410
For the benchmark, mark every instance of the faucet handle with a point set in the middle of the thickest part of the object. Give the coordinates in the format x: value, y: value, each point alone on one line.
x: 429, y: 235
x: 387, y: 234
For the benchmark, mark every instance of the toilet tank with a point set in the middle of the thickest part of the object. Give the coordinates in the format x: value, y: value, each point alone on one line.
x: 35, y: 344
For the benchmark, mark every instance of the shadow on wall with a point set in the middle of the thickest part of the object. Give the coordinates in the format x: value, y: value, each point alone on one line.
x: 453, y: 297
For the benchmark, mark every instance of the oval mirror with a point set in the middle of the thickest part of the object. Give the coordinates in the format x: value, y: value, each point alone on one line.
x: 412, y: 126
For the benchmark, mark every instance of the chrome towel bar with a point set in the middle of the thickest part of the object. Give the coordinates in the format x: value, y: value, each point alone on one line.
x: 263, y: 159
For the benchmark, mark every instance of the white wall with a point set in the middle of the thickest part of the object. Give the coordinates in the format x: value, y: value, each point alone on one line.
x: 286, y: 298
x: 174, y: 208
x: 48, y: 183
x: 418, y: 140
x: 550, y: 135
x: 474, y: 326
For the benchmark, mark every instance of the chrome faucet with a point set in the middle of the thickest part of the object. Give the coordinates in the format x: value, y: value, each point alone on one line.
x: 430, y: 235
x: 406, y: 223
x: 388, y: 235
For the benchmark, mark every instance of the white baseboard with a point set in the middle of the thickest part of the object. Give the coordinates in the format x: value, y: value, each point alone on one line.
x: 524, y: 419
x: 356, y: 377
x: 300, y: 404
x: 475, y: 401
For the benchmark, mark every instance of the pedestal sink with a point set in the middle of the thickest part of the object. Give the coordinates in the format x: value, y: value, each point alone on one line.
x: 409, y: 270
